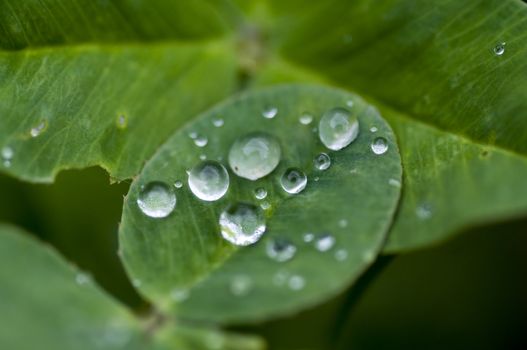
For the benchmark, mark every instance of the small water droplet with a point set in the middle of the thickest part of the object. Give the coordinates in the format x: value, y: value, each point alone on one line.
x: 178, y: 184
x: 38, y: 129
x: 293, y: 181
x: 179, y: 294
x: 338, y: 128
x: 296, y: 282
x: 379, y: 145
x: 374, y: 129
x: 241, y: 285
x: 343, y: 223
x: 305, y: 119
x: 394, y: 183
x: 324, y: 242
x: 322, y: 161
x: 280, y: 278
x: 208, y: 180
x: 316, y: 178
x: 350, y: 103
x: 255, y: 155
x: 308, y: 237
x: 122, y: 121
x: 82, y: 278
x: 424, y: 211
x: 270, y: 112
x: 136, y: 283
x: 341, y: 254
x: 260, y: 193
x: 156, y: 199
x: 202, y: 157
x: 242, y: 224
x: 499, y: 49
x: 280, y: 249
x: 265, y: 205
x: 201, y: 141
x: 193, y: 135
x: 7, y: 153
x: 218, y: 122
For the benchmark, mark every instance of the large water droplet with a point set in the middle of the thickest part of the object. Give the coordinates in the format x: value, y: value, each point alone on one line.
x: 322, y: 161
x: 296, y: 282
x: 260, y: 193
x: 338, y: 128
x: 379, y: 145
x: 208, y: 180
x: 254, y: 156
x: 324, y: 242
x: 293, y: 181
x: 242, y: 224
x: 270, y: 112
x: 241, y: 285
x: 156, y: 199
x: 38, y: 129
x: 305, y: 119
x: 280, y: 249
x: 201, y: 141
x: 499, y: 49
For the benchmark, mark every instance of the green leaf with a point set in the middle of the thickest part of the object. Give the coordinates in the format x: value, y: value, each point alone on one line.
x: 48, y: 304
x: 184, y: 253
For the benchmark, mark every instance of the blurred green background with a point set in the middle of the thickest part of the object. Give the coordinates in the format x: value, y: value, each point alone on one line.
x: 467, y: 293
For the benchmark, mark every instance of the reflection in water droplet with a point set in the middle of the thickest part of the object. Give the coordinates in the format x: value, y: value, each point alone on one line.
x: 296, y: 282
x: 305, y: 119
x: 156, y: 199
x: 338, y: 128
x: 424, y: 211
x: 341, y: 254
x: 280, y: 249
x: 218, y: 122
x: 179, y: 294
x: 242, y: 224
x: 293, y: 181
x: 178, y: 184
x: 324, y: 242
x: 201, y: 141
x: 499, y: 49
x: 208, y: 180
x: 322, y: 161
x: 270, y: 112
x: 308, y: 237
x: 38, y: 129
x: 241, y: 285
x: 255, y: 155
x: 260, y: 193
x: 379, y: 145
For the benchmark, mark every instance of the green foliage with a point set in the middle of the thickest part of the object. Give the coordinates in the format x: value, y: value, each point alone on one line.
x: 120, y: 84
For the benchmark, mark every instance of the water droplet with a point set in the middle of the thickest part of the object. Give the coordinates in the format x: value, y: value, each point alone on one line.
x: 178, y: 184
x: 241, y: 285
x: 343, y: 223
x: 260, y: 193
x: 218, y: 122
x: 324, y: 242
x: 179, y: 294
x: 322, y: 161
x: 316, y: 178
x: 379, y: 145
x: 293, y: 181
x: 424, y: 211
x: 201, y: 141
x: 394, y: 183
x: 255, y: 155
x: 208, y: 180
x: 265, y: 205
x: 156, y: 199
x: 308, y: 237
x: 270, y: 112
x: 193, y: 135
x: 296, y: 282
x: 338, y: 128
x: 7, y: 153
x: 350, y: 103
x: 242, y: 224
x: 341, y: 255
x: 374, y: 129
x: 202, y: 157
x: 499, y: 49
x: 305, y: 119
x: 136, y: 283
x: 82, y: 278
x: 280, y: 278
x: 38, y: 129
x: 122, y: 121
x: 280, y: 249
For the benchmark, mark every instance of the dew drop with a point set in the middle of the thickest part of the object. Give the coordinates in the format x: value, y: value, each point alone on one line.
x: 280, y: 249
x: 265, y: 205
x: 341, y: 254
x: 322, y: 161
x: 324, y: 242
x: 305, y: 119
x: 122, y: 121
x: 82, y: 278
x: 379, y: 145
x: 156, y: 199
x: 293, y: 181
x: 201, y: 141
x: 7, y: 153
x: 350, y: 103
x: 136, y: 283
x: 338, y: 128
x: 38, y: 129
x: 218, y: 122
x: 296, y: 282
x: 193, y: 135
x: 499, y: 49
x: 208, y: 180
x: 343, y: 223
x: 424, y: 211
x: 260, y: 193
x: 308, y: 237
x: 178, y: 184
x: 270, y: 112
x: 179, y: 294
x: 374, y: 129
x: 255, y: 155
x: 242, y: 224
x: 241, y: 285
x: 280, y: 278
x: 394, y: 183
